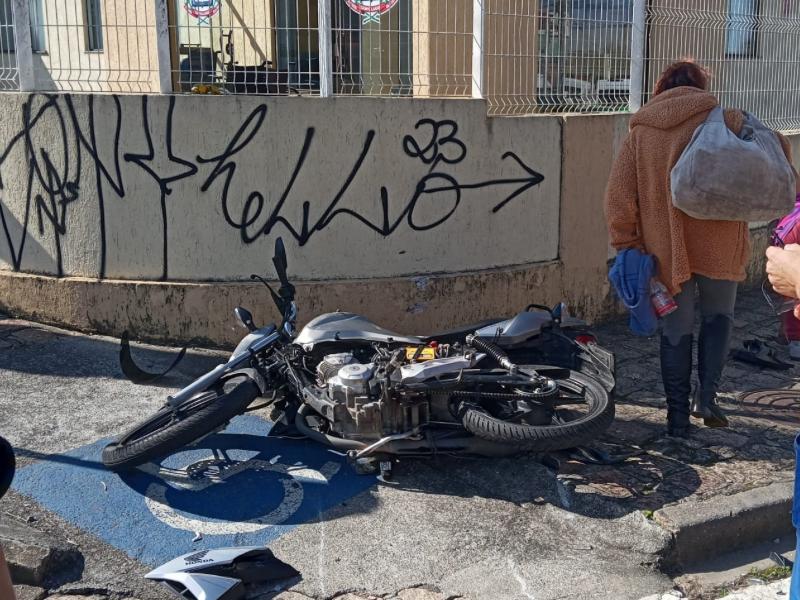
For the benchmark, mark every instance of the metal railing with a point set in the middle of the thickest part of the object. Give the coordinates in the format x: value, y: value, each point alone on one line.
x: 8, y: 62
x: 522, y: 56
x: 245, y: 46
x: 558, y: 55
x: 750, y: 48
x: 82, y: 45
x: 413, y: 48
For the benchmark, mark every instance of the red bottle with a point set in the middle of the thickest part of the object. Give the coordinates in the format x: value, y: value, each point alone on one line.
x: 663, y: 302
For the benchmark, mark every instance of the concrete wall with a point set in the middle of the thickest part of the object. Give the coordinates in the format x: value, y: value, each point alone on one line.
x: 148, y: 213
x: 358, y: 187
x: 393, y: 194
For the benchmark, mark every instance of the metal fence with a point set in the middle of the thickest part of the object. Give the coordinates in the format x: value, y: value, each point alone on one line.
x: 8, y: 62
x: 564, y: 55
x: 83, y: 45
x: 752, y: 49
x: 522, y: 56
x: 245, y: 46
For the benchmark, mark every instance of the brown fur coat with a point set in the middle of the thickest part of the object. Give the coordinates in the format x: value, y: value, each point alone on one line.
x: 638, y: 201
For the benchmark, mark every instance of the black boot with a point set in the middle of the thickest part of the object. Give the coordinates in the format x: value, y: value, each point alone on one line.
x: 712, y: 353
x: 676, y: 372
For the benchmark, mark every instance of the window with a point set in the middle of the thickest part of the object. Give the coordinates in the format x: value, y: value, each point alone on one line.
x: 6, y: 27
x: 93, y: 18
x: 742, y: 31
x: 38, y: 41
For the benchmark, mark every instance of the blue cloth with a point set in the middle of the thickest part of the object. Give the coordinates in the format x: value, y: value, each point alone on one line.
x: 630, y: 276
x: 794, y: 589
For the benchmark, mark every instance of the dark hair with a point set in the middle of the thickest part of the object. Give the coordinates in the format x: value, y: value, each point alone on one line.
x: 682, y: 73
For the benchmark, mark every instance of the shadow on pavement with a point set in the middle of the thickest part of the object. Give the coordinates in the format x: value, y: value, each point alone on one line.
x: 27, y: 348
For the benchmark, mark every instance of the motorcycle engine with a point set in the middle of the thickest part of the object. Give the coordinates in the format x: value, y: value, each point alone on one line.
x: 350, y: 394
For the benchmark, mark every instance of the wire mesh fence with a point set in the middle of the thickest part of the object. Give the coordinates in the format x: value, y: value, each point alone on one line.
x: 558, y: 55
x: 511, y: 55
x: 8, y: 62
x: 402, y: 48
x: 750, y: 48
x: 245, y: 46
x: 81, y: 45
x: 523, y: 56
x: 93, y: 45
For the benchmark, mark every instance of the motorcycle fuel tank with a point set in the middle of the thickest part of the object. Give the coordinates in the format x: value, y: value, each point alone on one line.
x: 341, y: 326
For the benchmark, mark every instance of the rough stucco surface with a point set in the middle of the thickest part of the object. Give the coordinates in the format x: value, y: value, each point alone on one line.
x: 197, y: 188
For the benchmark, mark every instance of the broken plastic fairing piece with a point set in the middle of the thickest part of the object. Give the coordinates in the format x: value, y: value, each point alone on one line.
x: 221, y: 574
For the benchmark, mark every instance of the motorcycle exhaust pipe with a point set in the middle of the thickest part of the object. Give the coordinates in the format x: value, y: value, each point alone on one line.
x: 467, y: 445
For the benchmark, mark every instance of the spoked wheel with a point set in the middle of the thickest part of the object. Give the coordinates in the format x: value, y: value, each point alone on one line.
x: 171, y: 429
x: 581, y: 411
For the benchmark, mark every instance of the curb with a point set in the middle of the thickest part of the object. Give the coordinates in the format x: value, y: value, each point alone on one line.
x: 701, y: 530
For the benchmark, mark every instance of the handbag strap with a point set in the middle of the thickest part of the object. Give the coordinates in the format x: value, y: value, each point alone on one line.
x: 717, y: 115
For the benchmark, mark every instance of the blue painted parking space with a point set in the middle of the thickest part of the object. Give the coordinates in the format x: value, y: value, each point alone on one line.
x: 267, y: 487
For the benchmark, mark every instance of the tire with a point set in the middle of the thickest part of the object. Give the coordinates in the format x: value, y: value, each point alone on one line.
x: 159, y: 435
x: 548, y: 438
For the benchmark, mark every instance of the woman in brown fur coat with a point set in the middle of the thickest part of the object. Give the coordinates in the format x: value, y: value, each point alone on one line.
x: 693, y: 257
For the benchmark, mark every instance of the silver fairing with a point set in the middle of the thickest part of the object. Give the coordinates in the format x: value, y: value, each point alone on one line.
x: 523, y: 327
x: 341, y: 326
x: 187, y: 572
x: 253, y: 337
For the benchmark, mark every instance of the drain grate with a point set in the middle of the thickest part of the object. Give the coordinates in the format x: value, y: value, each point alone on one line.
x: 780, y: 405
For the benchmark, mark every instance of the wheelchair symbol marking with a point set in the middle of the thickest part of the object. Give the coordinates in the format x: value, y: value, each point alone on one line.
x: 293, y: 493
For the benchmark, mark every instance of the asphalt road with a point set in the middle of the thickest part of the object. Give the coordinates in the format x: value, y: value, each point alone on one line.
x: 481, y: 529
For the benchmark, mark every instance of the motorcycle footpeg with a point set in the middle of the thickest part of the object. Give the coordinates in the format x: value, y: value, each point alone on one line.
x: 366, y: 465
x: 386, y: 469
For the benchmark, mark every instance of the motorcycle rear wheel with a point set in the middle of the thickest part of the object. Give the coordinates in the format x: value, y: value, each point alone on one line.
x: 168, y: 431
x: 555, y: 436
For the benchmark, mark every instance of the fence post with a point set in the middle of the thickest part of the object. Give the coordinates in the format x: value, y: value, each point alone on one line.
x: 23, y: 45
x: 638, y: 42
x: 163, y: 47
x: 325, y: 48
x: 477, y: 48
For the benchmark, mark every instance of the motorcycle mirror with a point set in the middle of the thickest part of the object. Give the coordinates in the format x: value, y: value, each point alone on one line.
x: 279, y: 260
x: 245, y: 318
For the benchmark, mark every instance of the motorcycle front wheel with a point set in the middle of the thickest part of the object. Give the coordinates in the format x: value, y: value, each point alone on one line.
x: 583, y: 411
x: 169, y: 429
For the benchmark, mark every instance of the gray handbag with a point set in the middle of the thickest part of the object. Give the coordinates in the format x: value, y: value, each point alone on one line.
x: 725, y: 177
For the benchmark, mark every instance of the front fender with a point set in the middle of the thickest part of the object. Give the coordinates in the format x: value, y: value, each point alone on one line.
x: 252, y: 374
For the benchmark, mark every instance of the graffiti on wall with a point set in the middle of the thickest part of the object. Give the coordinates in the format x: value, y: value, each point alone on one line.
x: 437, y: 144
x: 72, y: 157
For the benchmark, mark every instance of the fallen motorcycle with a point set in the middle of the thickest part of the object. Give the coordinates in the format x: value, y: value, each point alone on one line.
x: 538, y: 381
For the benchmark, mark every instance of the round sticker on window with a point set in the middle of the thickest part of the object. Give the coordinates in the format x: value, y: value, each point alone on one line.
x: 202, y: 10
x: 371, y: 10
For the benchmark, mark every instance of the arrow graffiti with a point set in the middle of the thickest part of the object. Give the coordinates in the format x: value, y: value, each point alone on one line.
x: 435, y: 143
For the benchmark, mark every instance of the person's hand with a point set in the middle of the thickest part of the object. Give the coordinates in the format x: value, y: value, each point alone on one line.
x: 783, y: 270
